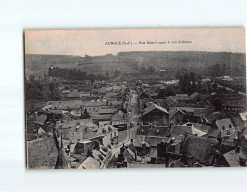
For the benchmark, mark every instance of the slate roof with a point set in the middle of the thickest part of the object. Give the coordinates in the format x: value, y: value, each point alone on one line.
x: 173, y: 111
x: 40, y: 131
x: 40, y: 119
x: 194, y: 95
x: 152, y: 130
x: 89, y: 163
x: 119, y: 115
x: 237, y: 120
x: 153, y: 141
x: 213, y: 116
x: 204, y: 128
x: 102, y: 117
x: 232, y: 158
x: 243, y: 116
x: 102, y: 103
x: 152, y: 107
x: 90, y: 135
x: 179, y: 131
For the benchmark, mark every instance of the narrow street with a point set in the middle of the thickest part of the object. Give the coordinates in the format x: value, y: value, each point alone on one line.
x: 133, y: 118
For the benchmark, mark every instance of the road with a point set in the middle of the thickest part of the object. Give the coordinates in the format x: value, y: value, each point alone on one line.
x: 133, y: 118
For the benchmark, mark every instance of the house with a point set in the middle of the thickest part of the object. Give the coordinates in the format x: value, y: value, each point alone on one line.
x: 66, y: 105
x: 180, y: 131
x: 202, y: 127
x: 89, y: 163
x: 107, y: 110
x: 155, y: 115
x: 110, y: 134
x: 76, y: 133
x: 140, y: 146
x: 81, y: 147
x: 225, y: 126
x: 119, y: 119
x: 237, y: 121
x: 96, y: 106
x: 185, y: 97
x: 66, y: 91
x: 195, y: 129
x: 153, y: 141
x: 96, y: 118
x: 153, y: 130
x: 171, y: 82
x: 170, y: 102
x: 175, y: 116
x: 74, y: 95
x: 194, y: 110
x: 234, y: 106
x: 180, y: 97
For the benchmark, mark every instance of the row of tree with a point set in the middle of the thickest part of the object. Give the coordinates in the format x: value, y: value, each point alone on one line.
x: 36, y: 90
x: 75, y: 74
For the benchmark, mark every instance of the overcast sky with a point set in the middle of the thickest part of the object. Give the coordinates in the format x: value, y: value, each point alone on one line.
x: 93, y: 42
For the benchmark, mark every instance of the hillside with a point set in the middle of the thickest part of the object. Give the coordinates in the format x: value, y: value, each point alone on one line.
x: 132, y: 62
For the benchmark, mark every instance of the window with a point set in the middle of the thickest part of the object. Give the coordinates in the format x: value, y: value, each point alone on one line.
x: 115, y: 134
x: 230, y: 126
x: 223, y: 127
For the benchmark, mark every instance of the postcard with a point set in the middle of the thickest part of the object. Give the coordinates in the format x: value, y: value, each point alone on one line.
x: 135, y: 98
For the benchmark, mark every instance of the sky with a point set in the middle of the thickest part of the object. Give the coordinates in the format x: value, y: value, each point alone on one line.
x: 94, y: 42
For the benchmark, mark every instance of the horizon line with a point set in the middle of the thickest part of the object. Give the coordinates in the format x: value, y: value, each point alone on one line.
x: 138, y: 51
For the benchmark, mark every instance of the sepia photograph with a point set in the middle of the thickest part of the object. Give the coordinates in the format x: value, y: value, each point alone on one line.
x: 135, y: 98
